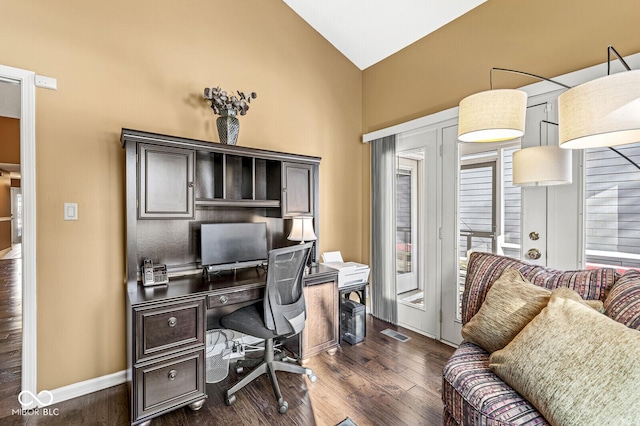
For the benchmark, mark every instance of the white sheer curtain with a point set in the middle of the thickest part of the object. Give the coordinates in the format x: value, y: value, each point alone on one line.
x: 383, y: 229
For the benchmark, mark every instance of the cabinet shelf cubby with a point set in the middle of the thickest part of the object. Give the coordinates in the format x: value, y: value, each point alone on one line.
x: 225, y: 180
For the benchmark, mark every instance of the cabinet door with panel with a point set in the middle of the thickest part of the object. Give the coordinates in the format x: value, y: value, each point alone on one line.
x: 166, y: 184
x: 297, y: 189
x: 321, y: 328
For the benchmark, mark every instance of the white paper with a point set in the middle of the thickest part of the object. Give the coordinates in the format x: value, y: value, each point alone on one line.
x: 332, y: 256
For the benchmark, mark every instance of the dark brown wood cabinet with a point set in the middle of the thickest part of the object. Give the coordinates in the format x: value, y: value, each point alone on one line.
x: 168, y: 355
x: 298, y: 183
x: 321, y: 331
x: 173, y: 185
x: 180, y: 183
x: 166, y: 181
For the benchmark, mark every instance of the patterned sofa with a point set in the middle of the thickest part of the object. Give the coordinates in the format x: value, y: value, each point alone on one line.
x: 472, y: 393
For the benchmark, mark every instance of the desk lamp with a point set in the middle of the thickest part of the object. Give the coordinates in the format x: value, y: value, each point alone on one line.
x: 302, y: 230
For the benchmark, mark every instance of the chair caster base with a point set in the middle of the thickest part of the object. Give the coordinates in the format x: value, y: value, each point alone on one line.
x: 230, y: 400
x: 282, y: 406
x: 312, y: 377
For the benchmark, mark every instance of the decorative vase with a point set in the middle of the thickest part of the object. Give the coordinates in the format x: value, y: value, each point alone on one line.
x: 228, y: 127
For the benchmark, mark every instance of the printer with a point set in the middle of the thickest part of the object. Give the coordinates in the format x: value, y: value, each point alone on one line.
x: 348, y: 272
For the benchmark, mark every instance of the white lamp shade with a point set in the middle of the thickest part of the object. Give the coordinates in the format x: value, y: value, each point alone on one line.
x: 602, y: 112
x: 492, y: 116
x: 542, y: 166
x: 302, y: 229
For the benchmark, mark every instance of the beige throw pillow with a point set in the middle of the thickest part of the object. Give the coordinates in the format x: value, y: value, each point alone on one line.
x: 575, y: 365
x: 510, y: 304
x: 567, y: 293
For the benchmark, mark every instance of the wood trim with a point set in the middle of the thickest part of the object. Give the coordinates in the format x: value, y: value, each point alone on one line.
x: 85, y: 387
x: 147, y: 137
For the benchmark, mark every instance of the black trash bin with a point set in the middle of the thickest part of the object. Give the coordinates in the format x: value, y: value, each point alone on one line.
x: 352, y: 321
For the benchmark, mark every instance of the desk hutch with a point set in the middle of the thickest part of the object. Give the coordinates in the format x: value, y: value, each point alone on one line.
x: 173, y: 185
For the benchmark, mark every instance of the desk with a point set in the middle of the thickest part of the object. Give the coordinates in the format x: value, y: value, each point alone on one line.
x: 166, y: 329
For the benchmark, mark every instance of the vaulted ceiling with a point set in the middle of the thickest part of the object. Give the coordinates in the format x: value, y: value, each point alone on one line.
x: 368, y: 31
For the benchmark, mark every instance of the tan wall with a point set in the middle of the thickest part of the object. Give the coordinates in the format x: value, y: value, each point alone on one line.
x: 5, y: 235
x: 544, y: 37
x: 144, y: 65
x: 9, y: 140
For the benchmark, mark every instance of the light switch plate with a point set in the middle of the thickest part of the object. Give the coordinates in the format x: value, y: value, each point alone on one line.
x: 70, y: 211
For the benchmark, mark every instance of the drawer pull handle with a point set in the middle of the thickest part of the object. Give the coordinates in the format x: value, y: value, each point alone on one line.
x: 172, y: 374
x: 172, y: 321
x: 224, y: 299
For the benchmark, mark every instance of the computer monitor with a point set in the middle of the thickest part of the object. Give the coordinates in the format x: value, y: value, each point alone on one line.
x: 227, y: 246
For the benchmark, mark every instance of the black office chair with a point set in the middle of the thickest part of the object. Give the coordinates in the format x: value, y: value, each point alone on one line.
x: 282, y: 314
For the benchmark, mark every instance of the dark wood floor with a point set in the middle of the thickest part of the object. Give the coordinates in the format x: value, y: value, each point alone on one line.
x: 10, y: 334
x: 378, y: 382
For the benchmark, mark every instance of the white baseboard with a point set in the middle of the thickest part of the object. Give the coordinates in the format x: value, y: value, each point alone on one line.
x: 88, y: 386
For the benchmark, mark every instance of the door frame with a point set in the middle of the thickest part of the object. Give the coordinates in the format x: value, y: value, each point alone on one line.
x: 28, y: 184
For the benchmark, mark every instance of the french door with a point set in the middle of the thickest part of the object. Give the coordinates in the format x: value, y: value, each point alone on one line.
x: 486, y: 217
x: 492, y: 215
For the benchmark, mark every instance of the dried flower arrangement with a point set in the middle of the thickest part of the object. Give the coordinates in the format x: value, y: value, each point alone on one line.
x: 222, y: 103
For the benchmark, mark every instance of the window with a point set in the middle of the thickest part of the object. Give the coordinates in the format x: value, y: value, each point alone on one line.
x: 489, y: 204
x: 477, y: 208
x: 612, y: 213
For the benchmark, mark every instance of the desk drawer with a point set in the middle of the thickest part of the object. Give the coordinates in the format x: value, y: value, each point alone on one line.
x: 169, y: 327
x: 233, y: 297
x: 169, y: 382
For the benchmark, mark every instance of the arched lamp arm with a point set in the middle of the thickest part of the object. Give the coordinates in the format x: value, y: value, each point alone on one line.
x: 612, y: 149
x: 524, y: 73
